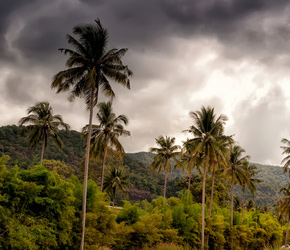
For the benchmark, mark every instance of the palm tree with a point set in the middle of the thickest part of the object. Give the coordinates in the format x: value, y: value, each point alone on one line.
x: 90, y: 65
x: 286, y: 151
x: 42, y: 124
x: 165, y: 152
x: 115, y: 180
x: 236, y: 172
x: 106, y: 133
x: 250, y: 171
x: 189, y: 159
x: 284, y: 207
x: 207, y: 129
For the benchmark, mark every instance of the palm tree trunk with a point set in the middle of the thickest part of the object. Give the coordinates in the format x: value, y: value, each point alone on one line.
x: 232, y: 204
x: 188, y: 188
x: 243, y: 205
x: 232, y: 212
x: 212, y: 189
x: 103, y: 166
x: 42, y: 150
x: 287, y: 231
x: 165, y: 180
x: 87, y: 157
x: 203, y: 207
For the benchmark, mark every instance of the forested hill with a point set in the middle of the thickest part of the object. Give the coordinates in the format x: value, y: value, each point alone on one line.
x: 142, y: 177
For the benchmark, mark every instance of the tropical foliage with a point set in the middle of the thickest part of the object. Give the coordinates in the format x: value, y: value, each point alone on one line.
x: 42, y: 210
x: 42, y: 124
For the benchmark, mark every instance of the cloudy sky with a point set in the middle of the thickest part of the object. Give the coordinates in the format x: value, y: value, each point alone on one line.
x: 233, y: 55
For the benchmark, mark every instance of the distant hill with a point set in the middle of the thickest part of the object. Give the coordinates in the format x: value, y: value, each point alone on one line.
x: 141, y: 176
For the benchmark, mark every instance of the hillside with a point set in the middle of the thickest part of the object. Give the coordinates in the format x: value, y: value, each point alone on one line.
x: 141, y: 176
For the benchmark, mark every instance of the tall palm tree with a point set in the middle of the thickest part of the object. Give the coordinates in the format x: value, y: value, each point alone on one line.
x: 106, y: 133
x: 115, y: 180
x: 250, y: 171
x: 164, y: 153
x: 42, y: 124
x: 207, y: 130
x: 90, y: 66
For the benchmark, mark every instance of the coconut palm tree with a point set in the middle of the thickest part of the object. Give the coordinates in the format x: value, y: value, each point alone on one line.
x: 250, y: 171
x: 90, y: 66
x: 284, y: 207
x: 286, y: 151
x: 188, y: 161
x: 236, y: 172
x: 106, y: 133
x: 166, y: 151
x: 207, y: 129
x: 41, y: 125
x: 115, y: 180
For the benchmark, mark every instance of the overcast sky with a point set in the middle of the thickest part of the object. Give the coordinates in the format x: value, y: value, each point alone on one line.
x: 233, y: 55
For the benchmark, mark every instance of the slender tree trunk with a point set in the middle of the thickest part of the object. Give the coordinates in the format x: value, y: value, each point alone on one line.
x: 232, y: 212
x: 287, y: 231
x: 212, y: 190
x: 103, y: 165
x: 42, y: 150
x: 232, y: 203
x: 203, y: 207
x: 87, y: 157
x: 243, y: 205
x: 165, y: 180
x: 188, y: 188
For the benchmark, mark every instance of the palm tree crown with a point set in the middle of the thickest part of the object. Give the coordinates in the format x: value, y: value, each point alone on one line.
x: 90, y: 65
x: 116, y: 179
x: 42, y: 124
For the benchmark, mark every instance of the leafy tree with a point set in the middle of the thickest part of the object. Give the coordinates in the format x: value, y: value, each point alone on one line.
x: 106, y: 133
x: 90, y: 65
x: 207, y: 129
x: 165, y: 152
x: 42, y: 124
x: 115, y: 180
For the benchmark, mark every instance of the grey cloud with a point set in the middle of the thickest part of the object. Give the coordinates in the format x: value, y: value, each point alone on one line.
x: 258, y: 126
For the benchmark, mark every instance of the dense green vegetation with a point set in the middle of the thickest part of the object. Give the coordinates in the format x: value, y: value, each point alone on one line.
x: 40, y: 209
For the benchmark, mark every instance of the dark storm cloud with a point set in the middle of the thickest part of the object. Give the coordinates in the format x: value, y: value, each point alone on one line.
x: 136, y: 24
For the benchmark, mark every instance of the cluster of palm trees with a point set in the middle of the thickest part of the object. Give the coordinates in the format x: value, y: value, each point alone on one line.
x: 210, y: 150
